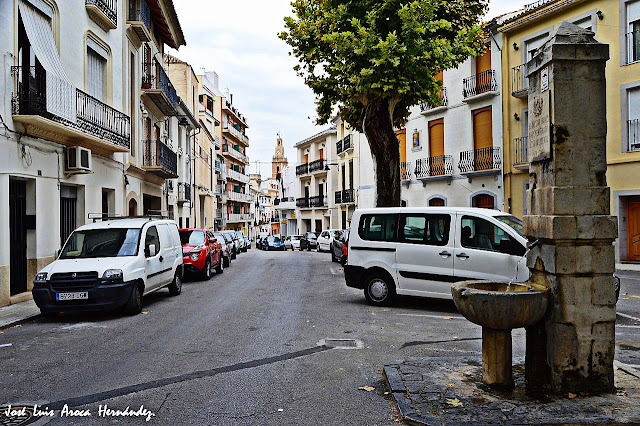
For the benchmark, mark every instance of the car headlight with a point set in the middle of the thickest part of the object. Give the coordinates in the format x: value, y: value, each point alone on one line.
x: 195, y: 256
x: 112, y: 275
x: 41, y: 277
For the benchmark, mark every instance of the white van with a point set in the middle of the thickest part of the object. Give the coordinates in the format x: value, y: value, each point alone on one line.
x: 112, y: 264
x: 421, y: 251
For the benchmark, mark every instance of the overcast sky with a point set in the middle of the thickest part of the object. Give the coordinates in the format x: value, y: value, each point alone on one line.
x: 238, y: 40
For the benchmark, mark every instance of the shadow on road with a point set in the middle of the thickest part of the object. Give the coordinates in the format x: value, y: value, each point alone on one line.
x: 418, y: 304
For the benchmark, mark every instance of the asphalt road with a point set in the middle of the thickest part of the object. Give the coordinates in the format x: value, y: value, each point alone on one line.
x: 242, y: 348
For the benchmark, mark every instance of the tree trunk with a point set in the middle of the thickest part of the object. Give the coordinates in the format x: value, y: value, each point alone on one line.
x: 385, y: 151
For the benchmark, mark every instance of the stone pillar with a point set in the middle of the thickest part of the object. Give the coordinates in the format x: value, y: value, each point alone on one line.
x: 572, y: 349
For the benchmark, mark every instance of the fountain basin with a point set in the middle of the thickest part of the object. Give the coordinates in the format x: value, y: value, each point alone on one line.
x: 489, y: 304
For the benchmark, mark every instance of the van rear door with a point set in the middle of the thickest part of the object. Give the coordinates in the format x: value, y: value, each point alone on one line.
x: 169, y: 253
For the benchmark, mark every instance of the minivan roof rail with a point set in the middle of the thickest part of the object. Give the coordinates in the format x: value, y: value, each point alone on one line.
x: 104, y: 216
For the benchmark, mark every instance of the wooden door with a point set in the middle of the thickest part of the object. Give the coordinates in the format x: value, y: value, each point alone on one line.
x: 483, y: 201
x: 17, y: 236
x: 633, y: 231
x: 483, y: 139
x: 436, y: 138
x: 483, y: 62
x: 436, y: 202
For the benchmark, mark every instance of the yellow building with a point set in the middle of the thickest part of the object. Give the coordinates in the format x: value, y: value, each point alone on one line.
x: 616, y: 23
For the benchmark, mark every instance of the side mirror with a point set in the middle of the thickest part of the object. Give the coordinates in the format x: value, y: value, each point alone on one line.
x: 213, y: 240
x: 151, y: 250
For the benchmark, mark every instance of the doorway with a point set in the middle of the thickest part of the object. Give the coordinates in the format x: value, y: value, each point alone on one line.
x: 483, y: 201
x: 68, y: 212
x: 633, y: 231
x: 18, y: 236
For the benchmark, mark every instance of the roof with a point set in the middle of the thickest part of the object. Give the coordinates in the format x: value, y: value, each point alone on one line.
x: 535, y: 10
x: 486, y: 212
x: 134, y: 222
x: 329, y: 131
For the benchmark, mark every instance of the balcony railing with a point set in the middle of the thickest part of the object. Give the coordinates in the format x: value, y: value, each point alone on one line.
x: 339, y: 147
x: 218, y: 167
x: 302, y: 202
x: 441, y: 165
x: 338, y: 197
x: 318, y: 201
x: 235, y: 133
x: 444, y: 101
x: 480, y: 83
x: 405, y: 171
x: 184, y: 192
x: 107, y: 8
x: 93, y: 117
x: 317, y: 165
x: 302, y: 169
x: 519, y: 83
x: 140, y: 19
x: 347, y: 143
x: 228, y: 149
x: 520, y: 157
x: 240, y: 177
x: 482, y: 159
x: 239, y: 217
x: 634, y: 134
x: 227, y: 106
x: 348, y: 196
x: 160, y: 159
x: 633, y: 47
x: 238, y: 196
x: 156, y: 85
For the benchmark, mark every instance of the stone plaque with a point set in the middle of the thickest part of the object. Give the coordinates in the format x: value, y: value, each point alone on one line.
x: 539, y: 143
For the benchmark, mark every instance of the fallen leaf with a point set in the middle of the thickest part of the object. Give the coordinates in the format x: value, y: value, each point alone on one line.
x: 455, y: 337
x: 145, y: 312
x: 450, y: 384
x: 455, y: 402
x: 625, y: 298
x: 366, y: 388
x: 625, y: 393
x: 386, y: 393
x: 635, y: 297
x: 448, y: 318
x: 572, y: 395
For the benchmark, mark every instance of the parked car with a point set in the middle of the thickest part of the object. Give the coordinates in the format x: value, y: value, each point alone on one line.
x: 325, y: 239
x: 201, y: 252
x: 112, y: 264
x: 260, y: 239
x: 273, y: 242
x: 247, y: 242
x: 225, y: 249
x: 243, y: 241
x: 339, y: 247
x: 421, y: 251
x: 309, y: 241
x: 292, y: 242
x: 230, y: 242
x: 236, y: 242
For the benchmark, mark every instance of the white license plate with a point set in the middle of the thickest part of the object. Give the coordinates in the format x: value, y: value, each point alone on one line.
x: 81, y: 295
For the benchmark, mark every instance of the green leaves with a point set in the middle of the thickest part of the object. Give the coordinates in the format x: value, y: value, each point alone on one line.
x: 354, y: 51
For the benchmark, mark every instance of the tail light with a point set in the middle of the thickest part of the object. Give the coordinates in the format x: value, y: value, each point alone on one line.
x: 345, y: 249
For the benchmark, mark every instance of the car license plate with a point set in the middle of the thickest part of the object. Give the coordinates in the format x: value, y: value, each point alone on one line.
x: 82, y: 295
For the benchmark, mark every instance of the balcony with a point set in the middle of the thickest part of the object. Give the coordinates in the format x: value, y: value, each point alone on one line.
x: 235, y: 133
x: 159, y: 159
x: 520, y: 157
x: 184, y: 192
x: 98, y: 126
x: 479, y: 86
x: 433, y: 168
x: 317, y: 166
x: 237, y: 176
x: 218, y: 167
x: 302, y: 203
x: 339, y: 147
x: 220, y: 218
x: 234, y: 153
x: 158, y: 88
x: 479, y: 162
x: 238, y: 217
x: 103, y: 12
x: 302, y: 169
x: 238, y: 197
x: 338, y: 197
x: 348, y: 196
x: 426, y: 108
x: 226, y: 105
x: 275, y: 219
x: 318, y: 201
x: 405, y: 171
x: 633, y: 47
x: 519, y: 82
x: 140, y: 19
x: 634, y: 134
x: 346, y: 146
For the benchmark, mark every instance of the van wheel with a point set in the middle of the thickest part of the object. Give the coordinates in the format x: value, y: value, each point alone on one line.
x: 134, y: 304
x: 206, y: 272
x: 379, y: 290
x: 175, y: 288
x: 220, y: 267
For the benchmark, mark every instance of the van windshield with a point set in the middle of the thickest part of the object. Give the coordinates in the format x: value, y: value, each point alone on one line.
x: 94, y: 243
x: 513, y: 222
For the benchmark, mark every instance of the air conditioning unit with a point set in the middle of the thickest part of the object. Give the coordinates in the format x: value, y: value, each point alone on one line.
x: 78, y: 160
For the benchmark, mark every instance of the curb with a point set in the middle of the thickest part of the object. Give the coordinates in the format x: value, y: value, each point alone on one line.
x: 400, y: 397
x: 20, y: 321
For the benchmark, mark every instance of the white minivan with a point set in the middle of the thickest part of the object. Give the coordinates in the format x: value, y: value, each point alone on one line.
x: 112, y: 264
x: 421, y: 251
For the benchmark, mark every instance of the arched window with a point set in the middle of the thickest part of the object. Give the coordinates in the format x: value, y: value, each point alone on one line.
x: 484, y: 201
x: 133, y: 207
x: 436, y: 202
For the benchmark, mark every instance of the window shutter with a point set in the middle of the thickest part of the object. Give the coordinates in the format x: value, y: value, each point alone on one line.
x: 95, y: 74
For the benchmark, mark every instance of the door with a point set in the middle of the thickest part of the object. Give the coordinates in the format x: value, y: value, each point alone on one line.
x: 424, y: 254
x: 478, y: 254
x: 436, y: 202
x: 483, y: 72
x: 483, y: 139
x: 483, y: 201
x: 633, y: 231
x: 18, y: 236
x: 154, y: 267
x: 436, y: 147
x: 68, y: 212
x: 323, y: 240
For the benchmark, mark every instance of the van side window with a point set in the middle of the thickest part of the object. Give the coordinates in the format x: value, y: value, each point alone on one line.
x: 477, y: 233
x: 430, y: 230
x: 378, y: 227
x: 152, y: 238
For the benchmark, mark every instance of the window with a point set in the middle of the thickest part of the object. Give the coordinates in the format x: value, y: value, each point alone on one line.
x: 633, y: 31
x: 634, y: 119
x: 151, y: 238
x: 436, y: 202
x: 430, y: 230
x: 378, y: 227
x: 532, y: 45
x: 436, y: 138
x: 481, y: 234
x: 96, y: 70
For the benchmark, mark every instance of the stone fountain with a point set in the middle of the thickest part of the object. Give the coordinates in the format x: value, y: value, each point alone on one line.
x: 568, y: 308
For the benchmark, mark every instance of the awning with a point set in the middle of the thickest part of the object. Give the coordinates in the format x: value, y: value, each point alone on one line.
x: 61, y: 94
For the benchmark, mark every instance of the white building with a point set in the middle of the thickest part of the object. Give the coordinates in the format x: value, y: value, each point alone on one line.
x: 91, y: 118
x: 286, y: 205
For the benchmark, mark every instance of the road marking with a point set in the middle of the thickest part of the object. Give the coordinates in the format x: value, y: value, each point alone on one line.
x: 628, y: 326
x: 6, y: 345
x: 628, y: 316
x: 432, y: 316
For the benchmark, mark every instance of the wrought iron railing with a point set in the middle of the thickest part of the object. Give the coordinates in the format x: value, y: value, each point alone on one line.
x: 520, y: 155
x: 155, y: 77
x: 479, y: 83
x: 348, y: 196
x: 158, y: 154
x: 634, y: 134
x: 93, y: 117
x: 302, y: 169
x: 139, y: 12
x: 633, y: 47
x: 184, y: 192
x: 444, y: 101
x: 108, y: 7
x: 479, y: 160
x: 441, y: 165
x: 302, y: 202
x: 347, y: 143
x: 317, y: 201
x: 339, y: 148
x: 405, y: 170
x: 316, y: 165
x: 519, y: 83
x: 338, y: 197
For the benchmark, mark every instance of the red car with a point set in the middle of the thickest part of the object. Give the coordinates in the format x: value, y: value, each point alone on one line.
x: 201, y: 252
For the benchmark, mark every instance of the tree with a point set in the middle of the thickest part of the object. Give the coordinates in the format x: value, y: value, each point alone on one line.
x: 374, y: 59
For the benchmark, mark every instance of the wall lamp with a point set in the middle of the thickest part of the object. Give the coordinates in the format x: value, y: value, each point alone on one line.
x: 600, y: 15
x: 516, y: 116
x: 326, y: 167
x: 515, y: 46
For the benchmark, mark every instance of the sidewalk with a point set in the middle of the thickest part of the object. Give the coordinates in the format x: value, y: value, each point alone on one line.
x: 18, y: 313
